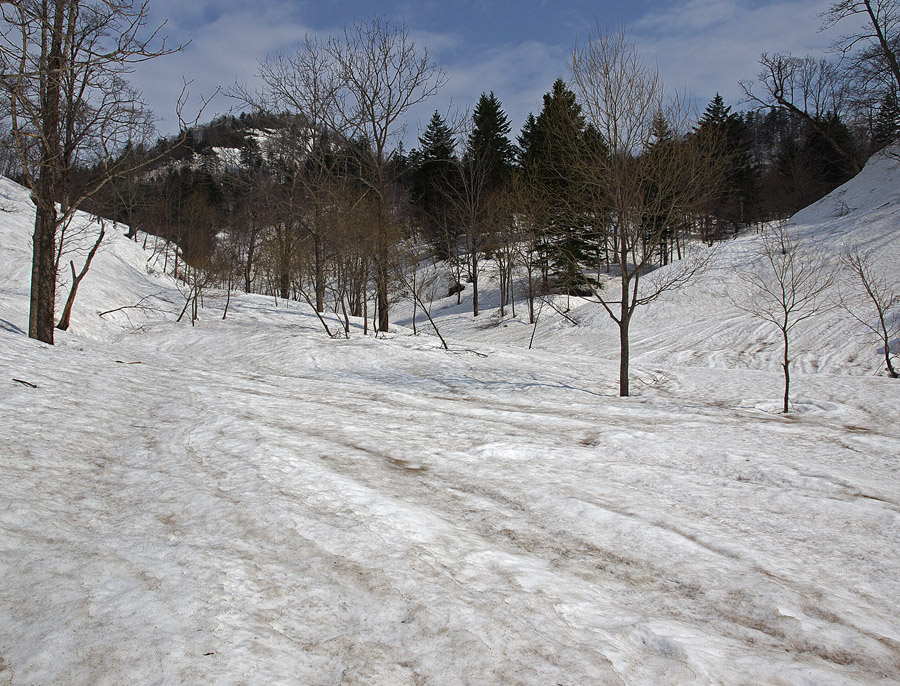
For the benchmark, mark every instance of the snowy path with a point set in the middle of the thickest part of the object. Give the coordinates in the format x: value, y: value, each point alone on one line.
x: 260, y: 505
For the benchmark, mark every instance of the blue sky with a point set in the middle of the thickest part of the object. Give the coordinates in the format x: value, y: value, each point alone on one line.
x: 515, y: 49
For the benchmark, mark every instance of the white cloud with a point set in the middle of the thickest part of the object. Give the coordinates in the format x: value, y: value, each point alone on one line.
x: 708, y: 46
x: 218, y: 53
x: 701, y: 46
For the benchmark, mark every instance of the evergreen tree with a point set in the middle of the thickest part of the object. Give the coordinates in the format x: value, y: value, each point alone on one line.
x: 831, y: 168
x: 886, y: 127
x: 737, y: 203
x: 806, y: 165
x: 433, y: 171
x: 488, y: 146
x: 553, y: 146
x: 656, y: 222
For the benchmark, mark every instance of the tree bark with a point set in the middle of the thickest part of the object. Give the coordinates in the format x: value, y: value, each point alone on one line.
x: 43, y: 271
x: 787, y: 373
x: 624, y: 388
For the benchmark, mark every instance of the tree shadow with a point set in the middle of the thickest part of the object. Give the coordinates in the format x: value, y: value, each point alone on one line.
x: 9, y: 326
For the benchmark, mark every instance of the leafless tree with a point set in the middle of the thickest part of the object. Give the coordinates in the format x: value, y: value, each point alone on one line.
x: 790, y: 285
x: 63, y: 65
x: 528, y: 211
x: 642, y: 187
x: 383, y: 74
x: 809, y: 88
x: 872, y: 49
x: 304, y: 86
x: 78, y: 277
x: 471, y: 204
x: 869, y: 290
x: 419, y: 279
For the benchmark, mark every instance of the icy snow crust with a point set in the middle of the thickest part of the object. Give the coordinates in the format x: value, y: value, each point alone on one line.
x: 249, y: 502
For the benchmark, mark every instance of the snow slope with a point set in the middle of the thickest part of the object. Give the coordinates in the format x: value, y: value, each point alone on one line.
x: 698, y: 326
x: 248, y: 502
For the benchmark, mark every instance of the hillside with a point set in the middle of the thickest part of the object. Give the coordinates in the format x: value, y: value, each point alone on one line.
x: 698, y: 326
x: 246, y: 501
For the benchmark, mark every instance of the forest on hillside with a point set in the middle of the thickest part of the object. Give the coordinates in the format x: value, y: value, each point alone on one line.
x: 309, y: 193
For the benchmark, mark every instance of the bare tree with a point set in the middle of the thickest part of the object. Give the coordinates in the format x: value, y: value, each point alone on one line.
x: 528, y: 211
x: 78, y: 277
x: 383, y: 74
x: 642, y: 184
x: 791, y: 285
x: 469, y: 201
x: 871, y: 286
x: 304, y: 85
x: 63, y: 66
x: 873, y: 47
x: 809, y: 88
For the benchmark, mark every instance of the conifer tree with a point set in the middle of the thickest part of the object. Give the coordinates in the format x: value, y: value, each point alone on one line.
x: 485, y: 169
x: 433, y: 171
x: 553, y: 147
x: 886, y: 127
x: 488, y: 144
x: 737, y: 201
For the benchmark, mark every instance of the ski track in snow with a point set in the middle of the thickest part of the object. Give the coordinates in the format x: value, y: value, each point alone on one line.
x: 248, y: 502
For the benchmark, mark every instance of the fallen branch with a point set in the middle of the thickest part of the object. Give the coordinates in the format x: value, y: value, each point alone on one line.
x: 25, y: 383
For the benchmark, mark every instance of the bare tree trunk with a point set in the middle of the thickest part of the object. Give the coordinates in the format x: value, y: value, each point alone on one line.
x: 787, y: 372
x: 624, y: 322
x: 381, y: 292
x: 43, y: 275
x: 43, y: 272
x: 320, y: 272
x: 284, y: 283
x: 474, y: 282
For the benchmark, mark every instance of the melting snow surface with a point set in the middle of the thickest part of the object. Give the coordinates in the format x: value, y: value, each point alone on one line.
x: 248, y: 502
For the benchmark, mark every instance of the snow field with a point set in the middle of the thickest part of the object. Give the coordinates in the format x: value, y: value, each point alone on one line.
x: 248, y: 502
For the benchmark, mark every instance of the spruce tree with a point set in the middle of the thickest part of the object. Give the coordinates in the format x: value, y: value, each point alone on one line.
x: 886, y: 126
x: 553, y: 148
x: 488, y: 145
x: 737, y: 202
x: 433, y: 172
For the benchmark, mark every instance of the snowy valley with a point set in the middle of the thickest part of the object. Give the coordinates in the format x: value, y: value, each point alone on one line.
x: 246, y: 501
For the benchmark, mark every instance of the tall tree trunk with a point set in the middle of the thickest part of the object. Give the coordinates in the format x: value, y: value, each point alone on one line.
x: 382, y: 262
x: 381, y: 293
x: 43, y: 269
x: 474, y: 283
x: 624, y: 316
x: 284, y: 284
x: 320, y: 272
x: 43, y: 274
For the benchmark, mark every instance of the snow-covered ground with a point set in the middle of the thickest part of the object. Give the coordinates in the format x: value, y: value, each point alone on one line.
x: 248, y: 502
